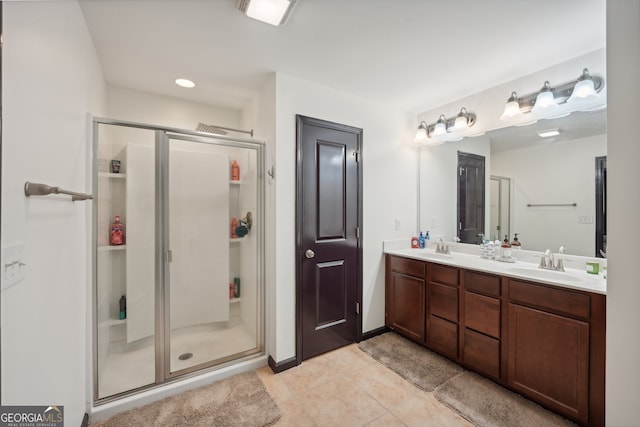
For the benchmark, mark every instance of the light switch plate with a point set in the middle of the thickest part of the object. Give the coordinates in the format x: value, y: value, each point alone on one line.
x: 13, y: 265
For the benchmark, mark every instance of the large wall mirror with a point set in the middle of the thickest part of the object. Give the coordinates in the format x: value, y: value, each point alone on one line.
x: 551, y: 191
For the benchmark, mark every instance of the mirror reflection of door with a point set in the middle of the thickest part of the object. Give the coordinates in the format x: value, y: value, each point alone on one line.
x: 471, y: 197
x: 601, y: 207
x: 500, y: 204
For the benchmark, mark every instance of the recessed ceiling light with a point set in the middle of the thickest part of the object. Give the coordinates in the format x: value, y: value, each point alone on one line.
x: 548, y: 133
x: 274, y: 12
x: 185, y: 83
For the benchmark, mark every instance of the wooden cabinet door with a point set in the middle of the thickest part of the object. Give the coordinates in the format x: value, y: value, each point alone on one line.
x: 406, y: 297
x: 548, y: 360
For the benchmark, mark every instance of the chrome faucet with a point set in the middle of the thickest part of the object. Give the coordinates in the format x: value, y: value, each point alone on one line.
x: 551, y: 265
x: 441, y: 248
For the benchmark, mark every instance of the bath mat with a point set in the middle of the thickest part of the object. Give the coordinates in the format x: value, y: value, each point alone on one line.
x: 241, y: 400
x: 422, y: 367
x: 485, y: 403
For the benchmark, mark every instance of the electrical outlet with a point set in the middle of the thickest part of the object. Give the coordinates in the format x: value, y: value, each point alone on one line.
x: 585, y: 219
x: 397, y: 224
x: 13, y: 265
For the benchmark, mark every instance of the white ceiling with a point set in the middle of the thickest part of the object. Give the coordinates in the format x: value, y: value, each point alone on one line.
x: 415, y: 54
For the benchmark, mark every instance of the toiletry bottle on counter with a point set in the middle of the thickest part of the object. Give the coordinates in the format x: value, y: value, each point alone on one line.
x: 235, y: 171
x: 123, y: 307
x: 421, y: 241
x: 414, y: 242
x: 506, y: 248
x: 116, y: 237
x: 516, y: 243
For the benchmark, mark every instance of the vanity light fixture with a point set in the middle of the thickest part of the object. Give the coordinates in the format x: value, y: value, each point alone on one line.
x: 436, y: 133
x: 554, y: 102
x: 440, y: 128
x: 274, y: 12
x: 584, y: 90
x: 512, y: 109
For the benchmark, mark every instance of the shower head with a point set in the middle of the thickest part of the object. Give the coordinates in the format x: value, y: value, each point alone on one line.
x: 210, y: 129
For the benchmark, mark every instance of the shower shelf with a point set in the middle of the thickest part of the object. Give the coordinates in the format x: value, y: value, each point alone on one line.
x: 112, y: 175
x: 234, y: 300
x: 106, y: 248
x: 114, y: 322
x: 235, y: 182
x: 235, y: 240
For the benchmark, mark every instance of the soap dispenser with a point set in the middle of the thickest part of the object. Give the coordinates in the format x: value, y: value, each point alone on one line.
x: 516, y: 243
x: 505, y: 251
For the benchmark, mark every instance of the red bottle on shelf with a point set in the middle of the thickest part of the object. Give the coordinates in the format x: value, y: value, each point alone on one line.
x: 116, y: 236
x: 235, y: 171
x: 234, y: 225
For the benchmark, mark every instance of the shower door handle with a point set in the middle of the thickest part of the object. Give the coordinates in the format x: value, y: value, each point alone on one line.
x: 309, y: 253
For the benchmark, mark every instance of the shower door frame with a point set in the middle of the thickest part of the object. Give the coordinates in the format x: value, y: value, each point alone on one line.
x: 162, y: 333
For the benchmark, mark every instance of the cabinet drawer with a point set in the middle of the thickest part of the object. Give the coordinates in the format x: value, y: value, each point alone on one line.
x: 443, y: 336
x: 444, y: 274
x: 559, y: 301
x: 410, y: 267
x: 482, y: 314
x: 443, y: 301
x: 481, y: 353
x: 482, y: 283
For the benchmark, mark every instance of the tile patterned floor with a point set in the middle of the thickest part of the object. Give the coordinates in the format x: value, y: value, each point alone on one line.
x: 346, y: 388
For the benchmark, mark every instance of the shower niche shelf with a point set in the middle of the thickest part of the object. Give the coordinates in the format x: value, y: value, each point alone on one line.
x: 112, y: 175
x: 108, y: 248
x: 234, y: 300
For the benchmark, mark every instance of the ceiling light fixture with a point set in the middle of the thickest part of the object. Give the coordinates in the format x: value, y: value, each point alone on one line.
x: 433, y: 133
x: 554, y: 102
x: 548, y: 133
x: 274, y: 12
x: 185, y: 83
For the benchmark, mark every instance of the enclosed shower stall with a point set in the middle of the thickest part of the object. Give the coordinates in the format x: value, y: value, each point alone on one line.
x: 178, y: 262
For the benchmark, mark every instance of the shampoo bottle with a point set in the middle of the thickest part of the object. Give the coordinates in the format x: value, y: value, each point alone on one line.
x: 421, y: 241
x: 235, y: 171
x: 123, y: 307
x: 116, y: 237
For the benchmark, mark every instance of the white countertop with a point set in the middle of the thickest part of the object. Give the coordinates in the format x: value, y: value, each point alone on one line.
x: 570, y: 278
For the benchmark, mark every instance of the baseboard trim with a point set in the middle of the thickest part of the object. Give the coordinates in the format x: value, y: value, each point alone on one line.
x: 85, y: 420
x: 278, y: 367
x: 379, y: 331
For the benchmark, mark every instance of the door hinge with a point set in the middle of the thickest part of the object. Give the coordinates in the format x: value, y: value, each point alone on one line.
x: 356, y: 154
x: 460, y: 226
x: 168, y: 257
x: 357, y: 232
x: 357, y: 308
x: 461, y: 171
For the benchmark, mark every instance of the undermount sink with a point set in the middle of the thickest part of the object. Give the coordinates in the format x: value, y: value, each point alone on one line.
x: 544, y: 274
x: 437, y: 255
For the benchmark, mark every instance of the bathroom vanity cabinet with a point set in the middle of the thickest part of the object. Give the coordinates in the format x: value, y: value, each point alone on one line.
x: 542, y: 341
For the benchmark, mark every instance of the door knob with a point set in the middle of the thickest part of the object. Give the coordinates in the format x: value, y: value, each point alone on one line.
x: 309, y: 253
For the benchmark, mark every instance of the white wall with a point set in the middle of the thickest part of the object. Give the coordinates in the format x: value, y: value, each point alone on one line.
x: 143, y: 107
x: 389, y: 189
x: 51, y: 80
x: 623, y: 291
x: 541, y: 174
x: 260, y: 114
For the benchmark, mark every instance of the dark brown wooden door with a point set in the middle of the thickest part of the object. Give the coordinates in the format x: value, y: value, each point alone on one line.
x: 328, y: 249
x: 471, y: 197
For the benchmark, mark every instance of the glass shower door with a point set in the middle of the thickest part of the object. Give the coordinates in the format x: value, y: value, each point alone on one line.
x: 181, y: 289
x: 211, y: 289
